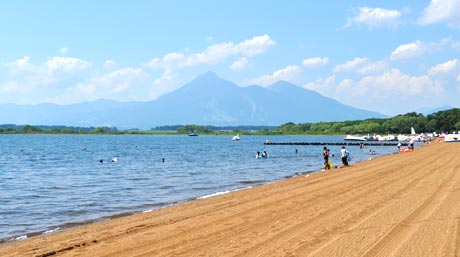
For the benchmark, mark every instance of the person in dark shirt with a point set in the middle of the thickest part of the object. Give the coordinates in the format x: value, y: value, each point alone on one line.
x: 326, y: 158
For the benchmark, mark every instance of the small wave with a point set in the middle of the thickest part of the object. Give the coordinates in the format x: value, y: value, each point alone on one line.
x: 221, y: 193
x: 214, y: 194
x: 300, y: 173
x: 13, y: 238
x: 49, y: 231
x: 21, y: 237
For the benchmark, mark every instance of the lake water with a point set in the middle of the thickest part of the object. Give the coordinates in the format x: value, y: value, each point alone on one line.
x: 58, y: 181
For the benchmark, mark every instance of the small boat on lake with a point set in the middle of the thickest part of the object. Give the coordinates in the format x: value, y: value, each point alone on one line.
x: 236, y: 138
x: 193, y: 135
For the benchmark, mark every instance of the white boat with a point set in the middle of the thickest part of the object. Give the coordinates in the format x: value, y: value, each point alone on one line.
x: 413, y: 135
x: 371, y: 138
x: 354, y: 138
x: 236, y: 138
x: 388, y: 137
x: 452, y: 138
x: 403, y: 138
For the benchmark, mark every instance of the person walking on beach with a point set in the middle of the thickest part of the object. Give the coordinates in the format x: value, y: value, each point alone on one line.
x: 344, y: 155
x: 326, y: 158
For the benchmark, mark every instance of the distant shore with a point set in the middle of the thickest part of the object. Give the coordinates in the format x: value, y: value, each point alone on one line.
x: 401, y: 204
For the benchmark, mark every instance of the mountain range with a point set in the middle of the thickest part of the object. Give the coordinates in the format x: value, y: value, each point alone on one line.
x: 206, y: 100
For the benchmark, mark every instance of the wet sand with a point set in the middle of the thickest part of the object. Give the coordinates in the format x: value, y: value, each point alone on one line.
x: 398, y: 205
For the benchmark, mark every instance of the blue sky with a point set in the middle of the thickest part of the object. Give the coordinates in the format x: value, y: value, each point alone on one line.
x: 386, y: 56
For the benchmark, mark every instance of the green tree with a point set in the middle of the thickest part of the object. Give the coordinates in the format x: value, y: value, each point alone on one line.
x: 30, y: 129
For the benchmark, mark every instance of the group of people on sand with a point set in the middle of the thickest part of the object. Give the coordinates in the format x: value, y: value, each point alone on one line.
x: 263, y: 155
x: 344, y: 155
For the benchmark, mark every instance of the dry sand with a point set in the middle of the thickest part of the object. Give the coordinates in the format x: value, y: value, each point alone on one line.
x: 398, y: 205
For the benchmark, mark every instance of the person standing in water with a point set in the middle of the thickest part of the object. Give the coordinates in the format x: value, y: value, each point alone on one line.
x: 344, y: 155
x: 326, y: 158
x: 265, y: 155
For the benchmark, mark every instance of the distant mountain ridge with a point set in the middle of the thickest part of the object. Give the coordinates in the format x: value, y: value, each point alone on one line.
x: 206, y: 100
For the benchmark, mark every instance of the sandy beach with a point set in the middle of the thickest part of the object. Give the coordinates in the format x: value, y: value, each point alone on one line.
x: 398, y: 205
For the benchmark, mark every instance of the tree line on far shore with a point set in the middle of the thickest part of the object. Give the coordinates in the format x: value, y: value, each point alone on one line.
x: 442, y: 121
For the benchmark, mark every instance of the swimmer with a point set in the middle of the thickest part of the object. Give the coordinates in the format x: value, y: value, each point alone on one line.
x: 265, y: 154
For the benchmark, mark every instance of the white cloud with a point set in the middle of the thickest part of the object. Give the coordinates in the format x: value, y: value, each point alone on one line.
x: 108, y: 64
x: 373, y: 68
x: 391, y: 92
x: 52, y: 65
x: 289, y: 73
x: 315, y: 62
x: 168, y: 61
x: 166, y: 83
x: 344, y: 87
x: 322, y: 86
x: 214, y: 54
x: 240, y: 64
x: 418, y: 48
x: 441, y: 11
x: 350, y: 66
x: 63, y: 50
x: 112, y: 83
x: 374, y: 17
x: 255, y: 46
x: 408, y: 51
x: 451, y: 67
x: 65, y: 64
x: 395, y: 80
x: 20, y: 65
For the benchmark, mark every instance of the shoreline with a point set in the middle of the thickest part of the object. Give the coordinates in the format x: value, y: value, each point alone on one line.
x: 77, y: 224
x: 354, y: 211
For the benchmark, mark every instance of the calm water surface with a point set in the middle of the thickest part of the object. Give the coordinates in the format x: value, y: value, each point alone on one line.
x: 55, y: 183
